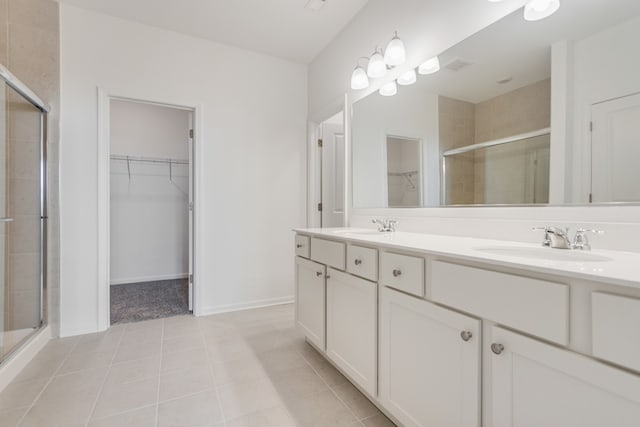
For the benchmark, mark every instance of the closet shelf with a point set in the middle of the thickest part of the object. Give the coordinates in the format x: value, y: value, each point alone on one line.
x: 149, y: 159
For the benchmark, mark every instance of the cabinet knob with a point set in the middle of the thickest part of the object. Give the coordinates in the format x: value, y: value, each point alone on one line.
x: 328, y: 277
x: 357, y: 261
x: 318, y: 273
x: 397, y: 273
x: 466, y: 335
x: 497, y: 348
x: 299, y: 246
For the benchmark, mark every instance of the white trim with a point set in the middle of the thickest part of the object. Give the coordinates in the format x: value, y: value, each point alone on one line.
x: 247, y: 305
x: 10, y: 368
x: 103, y: 197
x: 149, y: 279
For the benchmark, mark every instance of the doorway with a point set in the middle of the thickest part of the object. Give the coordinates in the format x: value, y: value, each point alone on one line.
x: 150, y: 211
x: 331, y: 179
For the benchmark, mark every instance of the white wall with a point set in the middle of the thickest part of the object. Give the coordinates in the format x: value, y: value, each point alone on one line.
x: 149, y: 207
x: 427, y: 27
x: 250, y: 156
x: 147, y: 130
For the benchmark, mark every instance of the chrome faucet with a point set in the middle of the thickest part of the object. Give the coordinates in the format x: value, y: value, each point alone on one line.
x: 558, y: 238
x: 385, y: 225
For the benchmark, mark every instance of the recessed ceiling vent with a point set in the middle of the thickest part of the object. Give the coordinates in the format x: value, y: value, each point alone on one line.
x: 315, y: 4
x: 457, y: 64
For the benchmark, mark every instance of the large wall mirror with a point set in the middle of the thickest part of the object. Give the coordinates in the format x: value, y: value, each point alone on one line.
x: 544, y: 112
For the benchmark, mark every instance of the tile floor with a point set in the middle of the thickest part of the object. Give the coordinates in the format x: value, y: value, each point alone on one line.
x: 242, y: 369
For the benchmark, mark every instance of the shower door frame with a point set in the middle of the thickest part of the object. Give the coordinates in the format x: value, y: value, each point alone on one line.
x: 18, y: 86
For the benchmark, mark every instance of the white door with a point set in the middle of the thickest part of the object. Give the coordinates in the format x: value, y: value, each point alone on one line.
x: 429, y: 363
x: 352, y: 305
x: 191, y: 188
x: 616, y: 150
x: 310, y: 300
x: 536, y: 384
x: 333, y: 176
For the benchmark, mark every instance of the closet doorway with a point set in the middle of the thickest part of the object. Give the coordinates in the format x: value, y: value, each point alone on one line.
x: 150, y: 211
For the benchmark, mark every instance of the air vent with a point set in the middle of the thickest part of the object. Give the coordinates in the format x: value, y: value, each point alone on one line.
x: 457, y: 64
x: 315, y: 4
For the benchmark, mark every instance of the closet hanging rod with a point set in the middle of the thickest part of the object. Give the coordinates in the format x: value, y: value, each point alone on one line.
x: 150, y: 160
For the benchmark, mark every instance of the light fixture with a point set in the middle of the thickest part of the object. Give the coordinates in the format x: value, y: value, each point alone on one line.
x: 376, y: 68
x: 407, y: 78
x: 389, y: 89
x: 395, y: 54
x: 359, y: 79
x: 430, y: 66
x: 540, y: 9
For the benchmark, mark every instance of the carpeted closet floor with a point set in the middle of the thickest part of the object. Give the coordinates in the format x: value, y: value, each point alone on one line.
x: 134, y: 302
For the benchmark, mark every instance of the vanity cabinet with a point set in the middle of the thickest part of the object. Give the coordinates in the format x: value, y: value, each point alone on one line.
x: 536, y: 384
x: 310, y: 300
x: 352, y: 305
x: 429, y: 362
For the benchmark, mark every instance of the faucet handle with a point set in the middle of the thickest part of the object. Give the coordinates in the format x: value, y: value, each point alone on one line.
x: 547, y: 241
x: 391, y: 224
x: 581, y: 242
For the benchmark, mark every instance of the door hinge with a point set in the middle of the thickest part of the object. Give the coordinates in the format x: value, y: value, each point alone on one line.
x: 590, y: 197
x: 191, y: 278
x: 320, y: 143
x: 319, y: 207
x: 191, y: 206
x: 591, y: 126
x: 191, y: 133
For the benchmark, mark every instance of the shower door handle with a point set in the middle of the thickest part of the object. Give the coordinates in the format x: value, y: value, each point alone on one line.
x: 6, y: 219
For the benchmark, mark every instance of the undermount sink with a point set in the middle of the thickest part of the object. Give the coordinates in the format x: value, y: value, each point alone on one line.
x: 361, y: 232
x: 544, y: 253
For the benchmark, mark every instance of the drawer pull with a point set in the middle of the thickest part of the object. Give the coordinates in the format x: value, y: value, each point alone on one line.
x: 357, y: 261
x: 319, y: 273
x: 466, y: 335
x: 328, y: 277
x: 299, y: 246
x: 497, y: 348
x: 397, y: 273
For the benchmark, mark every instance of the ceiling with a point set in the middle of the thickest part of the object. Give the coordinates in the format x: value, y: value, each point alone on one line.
x: 281, y: 28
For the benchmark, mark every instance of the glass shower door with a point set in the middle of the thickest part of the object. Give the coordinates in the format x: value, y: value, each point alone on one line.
x: 21, y: 219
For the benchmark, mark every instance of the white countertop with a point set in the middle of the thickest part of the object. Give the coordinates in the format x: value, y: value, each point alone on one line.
x: 612, y: 267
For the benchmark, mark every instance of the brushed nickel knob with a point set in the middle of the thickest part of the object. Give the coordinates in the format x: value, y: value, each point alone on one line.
x: 318, y: 273
x: 299, y: 246
x: 466, y: 335
x: 357, y: 261
x: 328, y: 277
x: 397, y: 273
x: 497, y: 348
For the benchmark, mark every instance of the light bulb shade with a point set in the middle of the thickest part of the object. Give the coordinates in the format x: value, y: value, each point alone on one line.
x: 359, y: 79
x: 389, y: 89
x: 430, y: 66
x: 376, y: 67
x: 395, y: 53
x: 540, y: 9
x: 407, y: 78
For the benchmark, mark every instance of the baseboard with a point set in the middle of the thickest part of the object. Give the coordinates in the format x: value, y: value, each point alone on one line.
x: 246, y: 305
x: 10, y: 368
x: 149, y: 279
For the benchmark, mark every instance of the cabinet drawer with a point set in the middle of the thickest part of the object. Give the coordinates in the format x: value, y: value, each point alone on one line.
x: 362, y: 262
x: 402, y: 272
x: 302, y: 246
x: 615, y: 324
x: 535, y: 306
x: 328, y: 252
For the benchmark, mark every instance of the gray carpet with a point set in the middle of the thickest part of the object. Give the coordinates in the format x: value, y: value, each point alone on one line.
x: 135, y: 302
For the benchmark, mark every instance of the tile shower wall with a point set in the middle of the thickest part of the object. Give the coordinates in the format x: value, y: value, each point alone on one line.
x: 29, y: 47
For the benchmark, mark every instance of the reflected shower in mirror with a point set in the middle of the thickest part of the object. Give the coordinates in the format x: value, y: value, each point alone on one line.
x: 514, y: 115
x: 403, y: 172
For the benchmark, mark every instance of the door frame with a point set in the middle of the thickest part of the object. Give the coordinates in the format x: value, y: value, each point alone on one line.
x: 104, y: 193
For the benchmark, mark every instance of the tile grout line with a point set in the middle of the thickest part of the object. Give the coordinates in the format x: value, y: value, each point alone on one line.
x: 95, y: 402
x: 209, y: 365
x: 159, y: 372
x: 53, y: 375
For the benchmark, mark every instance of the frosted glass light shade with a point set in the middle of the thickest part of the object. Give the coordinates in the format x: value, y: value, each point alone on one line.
x: 359, y: 79
x: 540, y: 9
x: 407, y: 78
x: 389, y: 89
x: 376, y: 68
x: 395, y: 53
x: 430, y: 66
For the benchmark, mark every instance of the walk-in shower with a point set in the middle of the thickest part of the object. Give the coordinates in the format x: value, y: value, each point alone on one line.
x: 22, y: 213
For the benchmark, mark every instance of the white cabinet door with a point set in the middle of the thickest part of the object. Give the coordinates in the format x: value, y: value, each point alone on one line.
x: 429, y: 363
x: 352, y: 327
x: 536, y: 384
x: 310, y: 300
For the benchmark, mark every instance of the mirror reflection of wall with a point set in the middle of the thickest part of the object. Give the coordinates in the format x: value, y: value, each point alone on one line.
x: 542, y: 86
x: 403, y: 172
